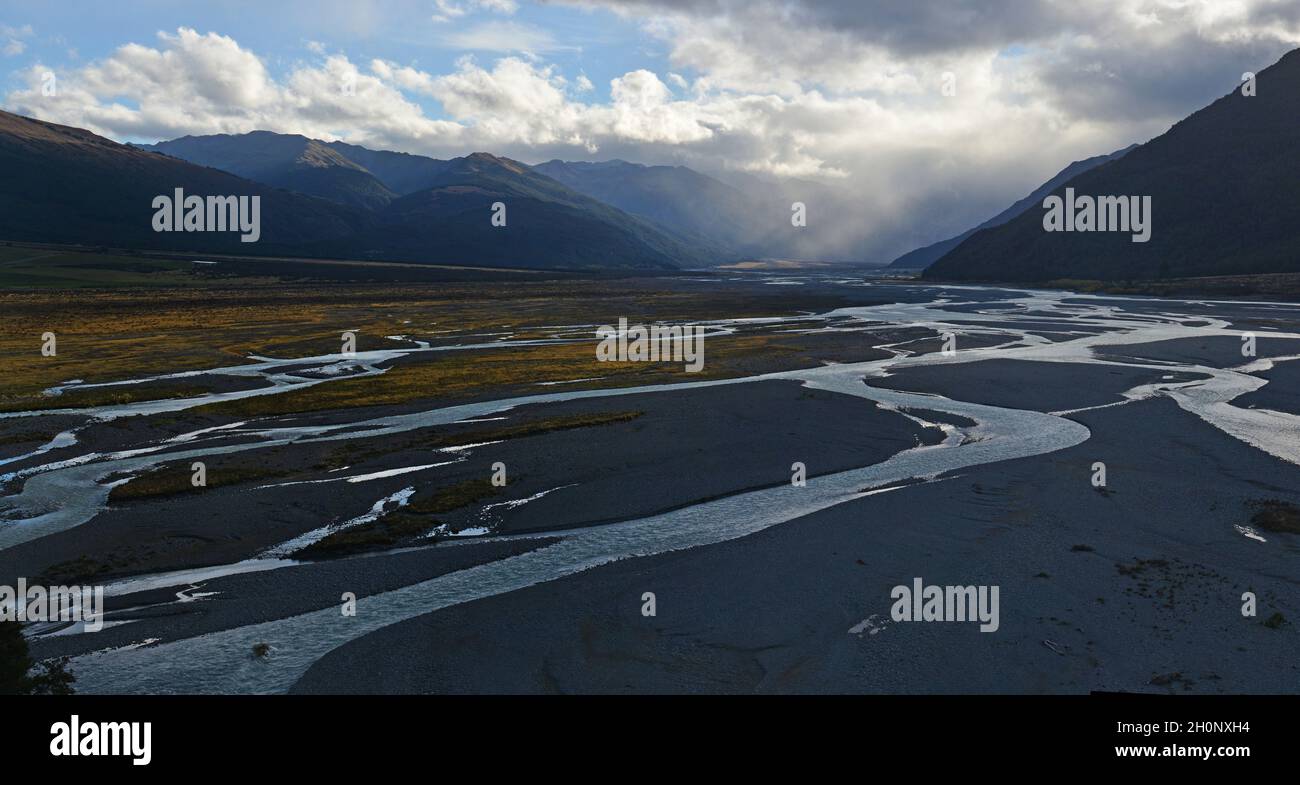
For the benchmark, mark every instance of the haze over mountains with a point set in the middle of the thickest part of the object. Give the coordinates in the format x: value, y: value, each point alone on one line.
x: 1225, y: 194
x: 334, y: 199
x: 924, y: 257
x: 751, y: 223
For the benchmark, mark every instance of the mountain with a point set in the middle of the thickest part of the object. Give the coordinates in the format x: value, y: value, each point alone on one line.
x: 923, y: 257
x: 1224, y: 188
x: 683, y: 200
x: 453, y: 215
x: 671, y: 212
x: 287, y: 161
x: 403, y: 173
x: 67, y: 185
x: 743, y: 216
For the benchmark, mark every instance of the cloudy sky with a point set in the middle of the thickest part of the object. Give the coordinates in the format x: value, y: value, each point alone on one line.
x: 846, y: 93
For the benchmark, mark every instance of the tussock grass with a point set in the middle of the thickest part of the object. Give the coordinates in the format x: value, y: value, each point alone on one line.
x: 453, y: 375
x: 383, y: 533
x: 25, y: 437
x: 99, y: 396
x: 401, y: 524
x: 124, y: 333
x: 174, y: 479
x: 452, y: 498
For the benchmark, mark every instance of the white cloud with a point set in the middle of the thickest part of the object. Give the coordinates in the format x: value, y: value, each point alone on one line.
x: 203, y: 84
x: 503, y: 36
x: 447, y: 10
x: 11, y: 43
x: 498, y: 6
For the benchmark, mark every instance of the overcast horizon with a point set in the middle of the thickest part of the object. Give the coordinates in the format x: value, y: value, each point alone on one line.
x: 850, y: 95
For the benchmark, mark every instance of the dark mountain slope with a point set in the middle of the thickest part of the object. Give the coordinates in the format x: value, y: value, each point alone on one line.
x: 402, y: 173
x: 689, y: 203
x: 1225, y: 192
x: 452, y: 220
x: 924, y: 257
x: 66, y: 185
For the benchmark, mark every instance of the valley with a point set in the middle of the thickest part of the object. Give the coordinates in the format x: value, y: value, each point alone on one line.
x: 371, y: 478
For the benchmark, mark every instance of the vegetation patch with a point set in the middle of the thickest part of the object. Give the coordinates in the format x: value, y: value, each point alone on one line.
x: 401, y: 524
x: 99, y: 396
x: 173, y: 479
x: 1275, y: 515
x: 27, y: 437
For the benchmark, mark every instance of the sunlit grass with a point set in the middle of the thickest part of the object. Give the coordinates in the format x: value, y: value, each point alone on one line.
x: 120, y: 334
x: 449, y: 375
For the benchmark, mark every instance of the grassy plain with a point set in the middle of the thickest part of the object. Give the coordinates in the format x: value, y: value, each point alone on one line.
x: 181, y: 322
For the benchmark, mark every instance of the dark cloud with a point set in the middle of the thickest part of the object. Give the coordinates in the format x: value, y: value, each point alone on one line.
x: 903, y: 28
x: 1120, y: 83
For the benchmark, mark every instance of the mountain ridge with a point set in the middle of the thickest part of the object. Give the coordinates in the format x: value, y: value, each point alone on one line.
x: 924, y: 256
x: 317, y: 201
x: 1224, y: 184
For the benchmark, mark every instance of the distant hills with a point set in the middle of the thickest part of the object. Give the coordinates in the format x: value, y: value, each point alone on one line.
x: 287, y: 161
x: 425, y: 209
x: 611, y: 213
x: 924, y: 257
x: 546, y: 220
x: 67, y: 185
x: 329, y: 200
x: 748, y: 218
x: 1225, y: 198
x: 691, y: 204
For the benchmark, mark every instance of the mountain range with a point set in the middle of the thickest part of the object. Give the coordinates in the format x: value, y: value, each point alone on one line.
x: 329, y: 200
x: 717, y: 221
x: 334, y: 199
x: 67, y: 185
x: 728, y: 221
